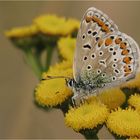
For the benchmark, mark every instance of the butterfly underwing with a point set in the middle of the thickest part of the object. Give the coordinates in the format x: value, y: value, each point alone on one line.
x: 104, y: 56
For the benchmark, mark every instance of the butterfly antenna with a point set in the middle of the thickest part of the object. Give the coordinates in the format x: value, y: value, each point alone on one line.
x: 48, y: 77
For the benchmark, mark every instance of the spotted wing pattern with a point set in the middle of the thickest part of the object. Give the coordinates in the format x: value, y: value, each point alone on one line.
x: 94, y: 26
x: 115, y: 58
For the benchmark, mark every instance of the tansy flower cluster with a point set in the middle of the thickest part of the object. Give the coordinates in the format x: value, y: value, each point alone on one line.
x: 41, y: 37
x: 118, y: 109
x: 108, y: 109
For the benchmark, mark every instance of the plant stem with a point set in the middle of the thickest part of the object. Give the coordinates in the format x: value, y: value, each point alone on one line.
x: 91, y: 133
x: 33, y: 61
x: 93, y: 137
x: 49, y: 56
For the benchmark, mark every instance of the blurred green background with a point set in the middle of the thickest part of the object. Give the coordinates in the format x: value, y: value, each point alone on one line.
x: 19, y: 117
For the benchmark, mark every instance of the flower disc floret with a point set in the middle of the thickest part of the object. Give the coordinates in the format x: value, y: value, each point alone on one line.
x: 124, y: 122
x: 87, y: 116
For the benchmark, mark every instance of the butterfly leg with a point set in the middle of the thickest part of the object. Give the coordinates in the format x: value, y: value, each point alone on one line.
x: 78, y: 99
x: 75, y: 99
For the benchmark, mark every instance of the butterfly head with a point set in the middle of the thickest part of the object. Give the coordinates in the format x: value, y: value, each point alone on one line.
x: 70, y: 83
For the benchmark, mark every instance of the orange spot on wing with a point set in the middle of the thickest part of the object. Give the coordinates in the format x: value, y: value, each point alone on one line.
x: 88, y: 19
x: 105, y: 28
x: 118, y: 40
x: 127, y: 60
x: 100, y: 43
x: 127, y: 70
x: 125, y: 52
x: 100, y: 23
x: 108, y: 41
x: 123, y: 45
x: 95, y: 19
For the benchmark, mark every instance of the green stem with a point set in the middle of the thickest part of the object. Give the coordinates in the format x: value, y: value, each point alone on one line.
x: 49, y: 56
x: 91, y: 133
x: 33, y: 62
x: 91, y: 137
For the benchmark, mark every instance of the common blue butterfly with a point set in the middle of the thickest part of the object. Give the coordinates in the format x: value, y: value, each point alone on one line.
x: 104, y: 56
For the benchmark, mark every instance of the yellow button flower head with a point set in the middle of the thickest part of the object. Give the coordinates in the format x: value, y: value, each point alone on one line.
x: 22, y: 31
x: 135, y: 83
x: 60, y: 69
x: 54, y: 25
x: 134, y: 101
x: 133, y: 138
x: 54, y: 92
x: 124, y: 122
x: 86, y: 116
x: 66, y: 46
x: 113, y: 97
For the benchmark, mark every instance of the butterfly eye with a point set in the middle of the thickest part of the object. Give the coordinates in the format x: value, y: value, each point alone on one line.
x: 70, y: 83
x: 90, y: 13
x: 97, y: 15
x: 103, y: 19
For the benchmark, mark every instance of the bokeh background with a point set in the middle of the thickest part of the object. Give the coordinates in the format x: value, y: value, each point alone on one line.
x: 19, y: 117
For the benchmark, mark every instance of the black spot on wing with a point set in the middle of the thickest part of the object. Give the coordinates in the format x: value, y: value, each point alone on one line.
x: 87, y: 46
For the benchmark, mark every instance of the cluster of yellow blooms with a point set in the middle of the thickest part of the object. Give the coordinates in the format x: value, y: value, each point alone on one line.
x: 100, y: 110
x: 112, y: 108
x: 42, y: 35
x: 47, y: 24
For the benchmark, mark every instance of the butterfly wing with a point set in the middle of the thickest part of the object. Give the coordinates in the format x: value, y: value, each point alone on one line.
x: 94, y: 25
x: 114, y: 61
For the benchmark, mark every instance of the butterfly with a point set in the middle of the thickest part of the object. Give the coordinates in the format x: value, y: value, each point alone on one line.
x: 104, y: 56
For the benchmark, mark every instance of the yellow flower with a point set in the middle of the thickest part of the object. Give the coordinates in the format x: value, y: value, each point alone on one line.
x: 60, y: 69
x: 86, y: 116
x: 66, y: 46
x: 54, y: 92
x: 54, y: 25
x: 113, y: 97
x: 133, y: 138
x: 22, y: 32
x: 134, y: 101
x: 124, y: 122
x: 135, y: 83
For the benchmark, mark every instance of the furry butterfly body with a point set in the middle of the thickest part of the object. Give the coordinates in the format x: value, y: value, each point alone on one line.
x: 104, y: 56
